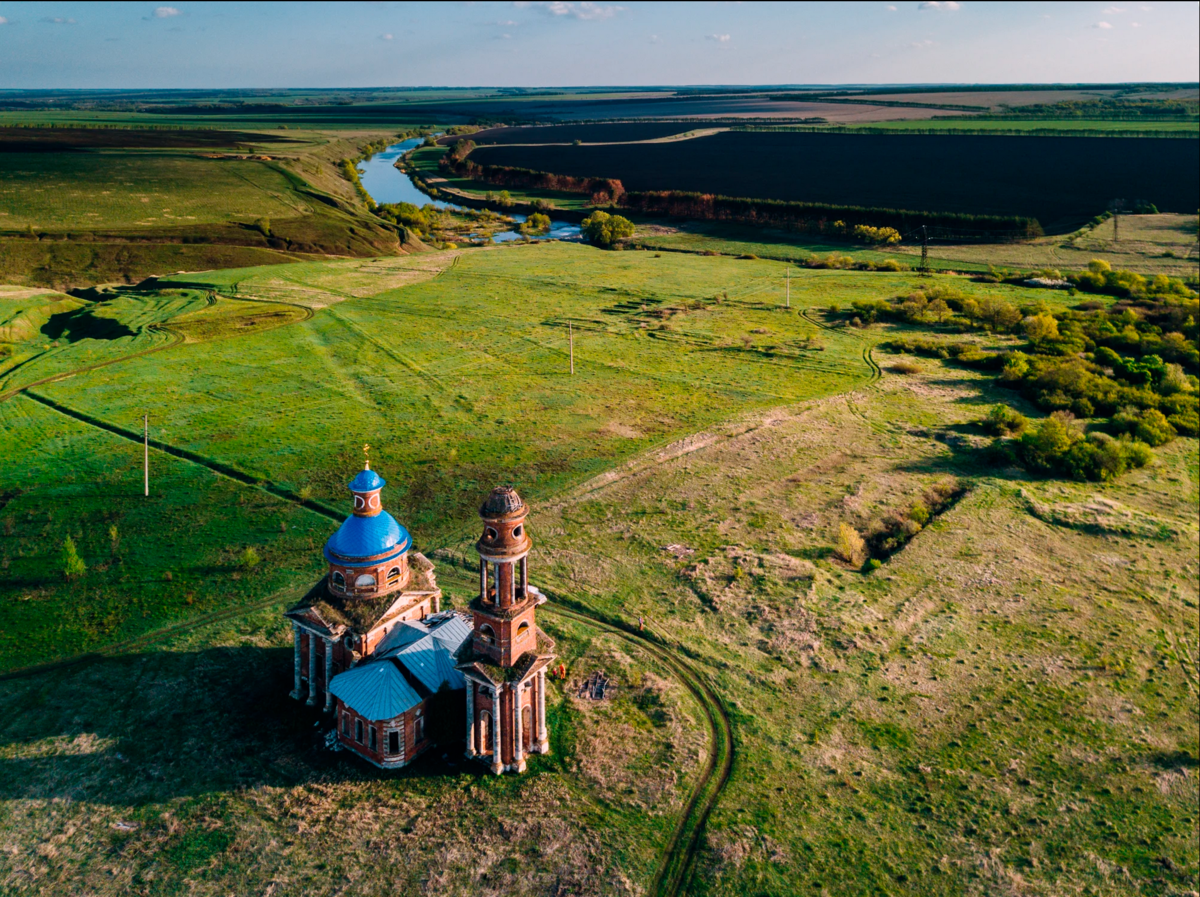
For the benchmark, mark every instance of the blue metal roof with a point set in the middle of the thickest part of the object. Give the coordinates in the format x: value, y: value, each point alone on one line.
x: 367, y: 537
x: 375, y: 690
x: 378, y: 690
x: 427, y: 649
x: 366, y: 481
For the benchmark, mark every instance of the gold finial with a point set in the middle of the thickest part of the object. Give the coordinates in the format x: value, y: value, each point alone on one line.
x: 366, y: 457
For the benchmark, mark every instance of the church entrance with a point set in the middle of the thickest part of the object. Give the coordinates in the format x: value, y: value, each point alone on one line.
x: 485, y: 733
x: 527, y: 728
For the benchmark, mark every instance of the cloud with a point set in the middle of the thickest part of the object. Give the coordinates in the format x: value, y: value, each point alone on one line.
x: 1135, y: 24
x: 3, y: 21
x: 1102, y: 25
x: 891, y: 9
x: 940, y: 5
x: 385, y: 37
x: 1114, y: 11
x: 507, y: 23
x: 655, y: 39
x: 586, y: 10
x: 923, y: 44
x: 166, y: 12
x: 58, y: 20
x: 719, y: 38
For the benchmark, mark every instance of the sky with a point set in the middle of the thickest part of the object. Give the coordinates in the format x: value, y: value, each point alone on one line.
x: 581, y: 43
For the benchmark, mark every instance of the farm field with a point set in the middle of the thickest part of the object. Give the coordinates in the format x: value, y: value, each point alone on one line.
x: 86, y: 191
x: 1066, y: 182
x: 948, y: 123
x: 1149, y: 244
x: 1006, y: 704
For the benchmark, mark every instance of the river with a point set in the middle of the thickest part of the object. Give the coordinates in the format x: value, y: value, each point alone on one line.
x: 386, y: 183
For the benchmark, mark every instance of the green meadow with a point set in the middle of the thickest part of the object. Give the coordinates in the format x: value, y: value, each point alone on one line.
x: 1005, y: 706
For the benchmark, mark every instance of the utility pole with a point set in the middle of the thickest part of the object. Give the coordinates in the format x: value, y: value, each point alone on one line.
x: 787, y: 296
x: 924, y: 250
x: 571, y: 337
x: 146, y: 451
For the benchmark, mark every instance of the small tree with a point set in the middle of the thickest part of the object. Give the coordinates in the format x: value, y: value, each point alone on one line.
x: 1040, y: 328
x: 73, y: 566
x: 249, y: 558
x: 114, y: 536
x: 605, y: 230
x: 850, y: 545
x: 537, y: 223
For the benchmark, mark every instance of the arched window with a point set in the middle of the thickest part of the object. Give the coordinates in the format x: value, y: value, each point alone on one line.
x: 393, y: 576
x: 420, y: 729
x: 487, y: 635
x: 339, y: 581
x: 358, y: 731
x: 491, y: 533
x: 485, y: 732
x: 365, y: 581
x: 522, y: 630
x: 517, y: 530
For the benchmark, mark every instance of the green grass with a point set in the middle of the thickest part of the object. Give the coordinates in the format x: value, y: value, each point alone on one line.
x: 1149, y: 244
x: 1006, y: 706
x: 102, y: 190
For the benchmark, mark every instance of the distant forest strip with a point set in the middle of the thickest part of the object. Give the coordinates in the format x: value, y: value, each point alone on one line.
x: 965, y: 128
x: 586, y: 133
x: 1060, y: 181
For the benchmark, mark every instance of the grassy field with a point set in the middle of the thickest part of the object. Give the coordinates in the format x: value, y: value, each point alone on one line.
x: 1006, y: 707
x: 1149, y: 244
x: 1066, y: 125
x: 83, y: 191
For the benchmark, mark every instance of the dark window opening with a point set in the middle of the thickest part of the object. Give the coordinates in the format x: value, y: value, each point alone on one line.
x: 393, y: 742
x: 374, y: 739
x: 358, y: 731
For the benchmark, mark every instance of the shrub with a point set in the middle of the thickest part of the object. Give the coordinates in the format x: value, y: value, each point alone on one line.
x: 1005, y: 421
x: 850, y: 545
x: 876, y: 235
x: 73, y: 566
x: 537, y: 223
x: 249, y: 558
x: 1153, y: 428
x: 603, y: 229
x: 1044, y: 447
x: 1040, y: 328
x: 906, y: 367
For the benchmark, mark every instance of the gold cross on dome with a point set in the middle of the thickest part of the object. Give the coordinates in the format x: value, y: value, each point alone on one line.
x: 367, y: 457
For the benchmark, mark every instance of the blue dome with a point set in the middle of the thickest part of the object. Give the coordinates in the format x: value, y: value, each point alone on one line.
x: 366, y: 481
x: 367, y: 537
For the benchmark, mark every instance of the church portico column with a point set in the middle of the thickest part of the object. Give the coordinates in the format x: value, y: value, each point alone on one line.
x: 328, y: 672
x: 518, y: 752
x: 296, y: 670
x: 312, y: 670
x: 543, y: 742
x: 497, y: 716
x: 470, y: 718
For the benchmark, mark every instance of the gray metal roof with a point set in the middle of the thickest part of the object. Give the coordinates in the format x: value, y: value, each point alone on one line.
x: 377, y: 689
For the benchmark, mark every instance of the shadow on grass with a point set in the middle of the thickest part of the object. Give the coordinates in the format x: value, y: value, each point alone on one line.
x: 143, y: 728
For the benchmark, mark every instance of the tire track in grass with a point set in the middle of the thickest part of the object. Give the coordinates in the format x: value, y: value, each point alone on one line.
x: 678, y: 862
x: 677, y: 866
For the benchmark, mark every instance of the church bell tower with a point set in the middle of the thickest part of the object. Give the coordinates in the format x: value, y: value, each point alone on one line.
x: 506, y: 668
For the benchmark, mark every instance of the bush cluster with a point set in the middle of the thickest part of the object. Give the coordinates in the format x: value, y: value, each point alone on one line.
x: 1058, y: 446
x: 888, y: 534
x: 603, y: 229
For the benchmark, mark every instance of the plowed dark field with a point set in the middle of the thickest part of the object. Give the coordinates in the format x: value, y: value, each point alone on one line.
x: 1059, y: 180
x: 56, y: 140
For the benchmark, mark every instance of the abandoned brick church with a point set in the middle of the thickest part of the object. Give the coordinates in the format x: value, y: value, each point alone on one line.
x: 374, y: 648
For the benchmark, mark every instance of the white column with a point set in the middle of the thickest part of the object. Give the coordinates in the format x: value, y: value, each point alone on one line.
x: 470, y: 718
x: 543, y: 742
x: 328, y: 672
x: 296, y: 671
x: 312, y: 671
x: 518, y: 743
x: 482, y: 580
x: 497, y: 716
x: 525, y: 577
